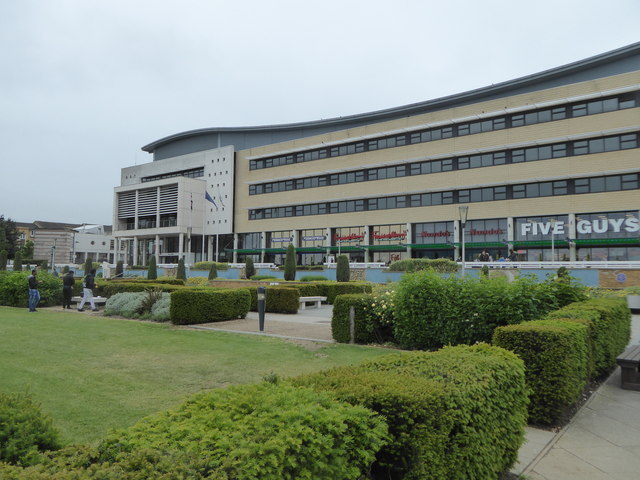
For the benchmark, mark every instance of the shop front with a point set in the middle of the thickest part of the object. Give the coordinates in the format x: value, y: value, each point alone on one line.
x: 433, y: 240
x: 387, y: 243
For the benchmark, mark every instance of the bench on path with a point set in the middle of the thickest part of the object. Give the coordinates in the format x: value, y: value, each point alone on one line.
x: 317, y: 300
x: 96, y: 300
x: 629, y: 361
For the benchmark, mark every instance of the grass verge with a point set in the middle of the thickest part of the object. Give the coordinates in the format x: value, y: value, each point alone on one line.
x: 93, y: 373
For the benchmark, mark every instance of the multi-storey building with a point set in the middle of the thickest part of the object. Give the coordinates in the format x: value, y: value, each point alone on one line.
x: 548, y: 165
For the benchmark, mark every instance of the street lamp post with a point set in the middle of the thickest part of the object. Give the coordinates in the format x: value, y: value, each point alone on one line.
x: 463, y: 211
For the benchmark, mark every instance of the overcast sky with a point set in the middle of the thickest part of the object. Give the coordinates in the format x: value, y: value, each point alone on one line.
x: 84, y: 84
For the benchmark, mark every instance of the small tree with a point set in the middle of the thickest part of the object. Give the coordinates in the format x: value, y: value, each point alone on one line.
x: 342, y: 269
x: 290, y: 263
x: 213, y: 272
x: 65, y: 269
x: 17, y: 262
x: 152, y: 272
x: 88, y: 265
x: 119, y: 268
x: 3, y: 260
x: 182, y: 273
x: 249, y: 268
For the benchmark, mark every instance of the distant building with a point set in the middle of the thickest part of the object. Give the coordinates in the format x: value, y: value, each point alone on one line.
x: 547, y: 164
x: 66, y: 243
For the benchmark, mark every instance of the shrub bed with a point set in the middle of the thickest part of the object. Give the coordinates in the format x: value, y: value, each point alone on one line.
x: 14, y: 290
x: 611, y: 328
x: 110, y: 289
x: 441, y: 265
x: 432, y: 310
x: 555, y: 353
x: 25, y: 432
x: 192, y: 306
x: 263, y: 432
x: 458, y: 413
x: 332, y: 289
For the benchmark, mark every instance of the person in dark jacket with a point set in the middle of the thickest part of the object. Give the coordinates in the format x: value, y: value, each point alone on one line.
x: 34, y: 293
x: 67, y: 289
x: 87, y: 290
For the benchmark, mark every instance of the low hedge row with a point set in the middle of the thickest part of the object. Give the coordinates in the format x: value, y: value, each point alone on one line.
x: 562, y: 353
x: 341, y: 321
x: 458, y: 413
x: 205, y: 305
x: 252, y: 432
x: 164, y: 280
x: 111, y: 288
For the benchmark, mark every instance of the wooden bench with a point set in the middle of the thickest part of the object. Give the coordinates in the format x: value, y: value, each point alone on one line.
x: 629, y: 361
x: 317, y: 300
x: 96, y: 300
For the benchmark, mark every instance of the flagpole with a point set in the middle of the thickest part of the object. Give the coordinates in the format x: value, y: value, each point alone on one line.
x: 204, y: 218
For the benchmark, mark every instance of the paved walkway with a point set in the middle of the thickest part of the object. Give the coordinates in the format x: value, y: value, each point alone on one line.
x: 602, y: 441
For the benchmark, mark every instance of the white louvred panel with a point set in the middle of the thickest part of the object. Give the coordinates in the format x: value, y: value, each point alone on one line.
x: 169, y: 199
x: 127, y: 204
x: 147, y: 201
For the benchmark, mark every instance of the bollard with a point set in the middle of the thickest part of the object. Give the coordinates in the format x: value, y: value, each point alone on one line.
x: 352, y: 325
x: 262, y: 301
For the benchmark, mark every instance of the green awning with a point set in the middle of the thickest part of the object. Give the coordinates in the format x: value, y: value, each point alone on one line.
x: 251, y: 251
x: 425, y: 246
x: 481, y: 244
x: 607, y: 241
x: 275, y: 250
x: 346, y: 249
x: 540, y: 243
x: 386, y: 248
x: 311, y: 250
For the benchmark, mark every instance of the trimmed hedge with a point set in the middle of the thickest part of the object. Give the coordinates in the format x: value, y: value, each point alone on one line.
x: 192, y: 306
x: 161, y: 280
x: 562, y: 353
x: 282, y: 300
x: 556, y: 357
x: 332, y: 289
x: 341, y: 323
x: 112, y: 288
x: 458, y: 413
x: 441, y: 265
x: 611, y: 328
x: 261, y: 432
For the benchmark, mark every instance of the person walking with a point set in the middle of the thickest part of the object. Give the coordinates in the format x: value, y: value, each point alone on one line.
x: 67, y: 289
x: 87, y: 291
x: 34, y: 293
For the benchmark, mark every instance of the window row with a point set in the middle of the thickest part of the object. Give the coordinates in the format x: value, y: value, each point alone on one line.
x: 502, y: 157
x: 609, y: 183
x: 572, y: 110
x: 192, y: 173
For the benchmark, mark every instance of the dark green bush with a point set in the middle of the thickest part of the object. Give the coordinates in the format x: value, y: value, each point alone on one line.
x: 440, y: 265
x: 119, y: 269
x: 332, y: 289
x: 343, y: 272
x: 192, y: 306
x: 555, y: 354
x: 157, y: 281
x: 213, y: 272
x: 14, y: 290
x: 3, y: 260
x: 17, y: 262
x: 25, y: 432
x: 458, y: 413
x: 207, y: 266
x: 263, y: 277
x: 261, y: 432
x: 111, y: 288
x: 181, y: 273
x: 152, y: 272
x: 313, y: 278
x: 611, y: 328
x: 564, y: 289
x: 290, y: 264
x: 282, y: 300
x: 367, y: 328
x: 432, y: 310
x: 249, y: 269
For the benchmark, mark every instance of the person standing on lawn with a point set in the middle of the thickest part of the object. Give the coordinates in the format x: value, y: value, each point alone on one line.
x: 34, y: 293
x: 87, y: 290
x: 67, y: 289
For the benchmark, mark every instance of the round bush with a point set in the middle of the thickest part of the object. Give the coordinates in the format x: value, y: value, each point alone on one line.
x: 25, y: 432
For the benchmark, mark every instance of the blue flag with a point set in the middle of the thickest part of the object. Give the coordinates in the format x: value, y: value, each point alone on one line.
x: 208, y: 197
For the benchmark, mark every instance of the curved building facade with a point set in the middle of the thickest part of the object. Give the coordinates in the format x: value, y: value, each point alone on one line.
x: 548, y: 166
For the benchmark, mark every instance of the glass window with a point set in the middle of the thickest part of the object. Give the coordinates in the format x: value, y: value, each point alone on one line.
x: 613, y: 184
x: 630, y: 182
x: 581, y: 185
x: 561, y: 187
x: 475, y: 127
x: 610, y: 105
x: 519, y: 191
x: 447, y: 132
x: 517, y: 120
x: 463, y: 163
x: 594, y: 107
x: 499, y: 123
x: 628, y: 141
x: 581, y: 147
x: 436, y: 134
x: 579, y: 110
x: 558, y: 113
x: 463, y: 129
x: 597, y: 185
x: 559, y: 150
x: 611, y: 144
x: 596, y: 145
x: 517, y: 156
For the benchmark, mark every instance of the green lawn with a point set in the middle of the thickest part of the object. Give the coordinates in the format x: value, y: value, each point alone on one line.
x: 92, y: 373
